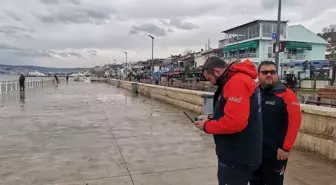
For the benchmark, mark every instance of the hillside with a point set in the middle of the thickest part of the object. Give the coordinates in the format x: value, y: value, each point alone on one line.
x: 28, y: 68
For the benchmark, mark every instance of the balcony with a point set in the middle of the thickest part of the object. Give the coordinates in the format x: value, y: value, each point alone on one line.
x: 239, y: 56
x: 296, y: 56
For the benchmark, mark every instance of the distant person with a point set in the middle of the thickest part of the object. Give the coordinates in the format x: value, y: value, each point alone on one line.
x: 281, y: 122
x: 138, y: 77
x: 236, y: 122
x: 67, y: 78
x: 22, y: 80
x: 56, y: 78
x: 291, y: 81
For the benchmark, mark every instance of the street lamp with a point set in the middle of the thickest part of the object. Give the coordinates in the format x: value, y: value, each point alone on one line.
x: 126, y: 63
x: 152, y: 64
x: 277, y: 47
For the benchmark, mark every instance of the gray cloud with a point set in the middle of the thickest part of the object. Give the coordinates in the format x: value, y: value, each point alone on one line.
x: 170, y: 30
x: 24, y: 52
x: 34, y: 53
x: 38, y: 52
x: 148, y: 28
x: 76, y: 55
x: 8, y: 47
x: 13, y: 30
x: 270, y: 4
x: 53, y: 2
x: 176, y: 22
x: 267, y: 4
x: 77, y: 16
x: 92, y: 53
x: 12, y: 14
x: 65, y: 54
x: 163, y: 9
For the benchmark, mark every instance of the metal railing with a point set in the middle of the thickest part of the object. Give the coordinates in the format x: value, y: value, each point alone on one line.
x: 296, y: 56
x: 8, y: 86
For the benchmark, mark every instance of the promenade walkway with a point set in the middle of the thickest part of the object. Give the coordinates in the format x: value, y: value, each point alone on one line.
x: 97, y: 134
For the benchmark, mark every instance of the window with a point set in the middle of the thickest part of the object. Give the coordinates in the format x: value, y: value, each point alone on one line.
x: 253, y: 31
x: 283, y: 30
x: 267, y: 30
x: 270, y: 50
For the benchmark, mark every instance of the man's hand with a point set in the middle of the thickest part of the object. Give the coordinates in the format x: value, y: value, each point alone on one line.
x: 200, y: 124
x: 282, y: 155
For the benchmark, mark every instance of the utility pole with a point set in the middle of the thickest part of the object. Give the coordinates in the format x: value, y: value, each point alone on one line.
x: 152, y: 63
x: 277, y: 45
x: 126, y: 63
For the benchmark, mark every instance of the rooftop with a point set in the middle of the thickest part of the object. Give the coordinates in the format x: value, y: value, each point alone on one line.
x: 250, y: 23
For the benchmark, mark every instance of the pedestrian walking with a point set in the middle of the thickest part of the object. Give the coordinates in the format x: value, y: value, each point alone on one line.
x: 281, y: 123
x: 56, y: 79
x: 236, y: 122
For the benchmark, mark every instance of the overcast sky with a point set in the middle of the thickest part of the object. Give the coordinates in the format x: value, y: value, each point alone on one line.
x: 85, y: 33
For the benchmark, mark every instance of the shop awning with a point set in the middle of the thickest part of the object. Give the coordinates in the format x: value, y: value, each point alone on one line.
x: 241, y: 46
x: 295, y: 45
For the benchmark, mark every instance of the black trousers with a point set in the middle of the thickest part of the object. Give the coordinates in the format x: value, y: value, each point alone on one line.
x: 233, y: 175
x: 270, y: 172
x: 22, y: 86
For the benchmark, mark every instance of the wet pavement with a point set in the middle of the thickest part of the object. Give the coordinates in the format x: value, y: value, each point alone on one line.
x: 97, y: 134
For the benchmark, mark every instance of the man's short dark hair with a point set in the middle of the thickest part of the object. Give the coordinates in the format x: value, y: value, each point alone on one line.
x: 266, y: 63
x: 212, y: 63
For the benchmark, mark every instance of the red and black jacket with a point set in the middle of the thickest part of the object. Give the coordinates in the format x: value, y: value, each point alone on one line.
x: 237, y: 120
x: 281, y: 119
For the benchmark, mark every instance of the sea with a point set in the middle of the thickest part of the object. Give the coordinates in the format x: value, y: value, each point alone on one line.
x: 4, y: 78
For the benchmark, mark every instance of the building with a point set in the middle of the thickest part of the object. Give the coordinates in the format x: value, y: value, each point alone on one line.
x: 331, y: 46
x: 254, y: 41
x: 202, y: 56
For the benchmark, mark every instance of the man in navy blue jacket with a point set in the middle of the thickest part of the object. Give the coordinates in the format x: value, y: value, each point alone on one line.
x: 281, y: 122
x: 236, y: 121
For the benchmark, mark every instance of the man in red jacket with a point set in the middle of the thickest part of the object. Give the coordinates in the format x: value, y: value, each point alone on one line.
x: 236, y: 123
x: 281, y: 123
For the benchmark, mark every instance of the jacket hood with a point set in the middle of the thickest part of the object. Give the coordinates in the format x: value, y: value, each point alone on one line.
x: 246, y: 67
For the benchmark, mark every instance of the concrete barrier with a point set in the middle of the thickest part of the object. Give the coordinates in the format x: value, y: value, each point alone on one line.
x: 196, y: 101
x: 318, y: 128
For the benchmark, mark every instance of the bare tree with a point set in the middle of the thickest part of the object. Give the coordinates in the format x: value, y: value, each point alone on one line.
x: 330, y: 28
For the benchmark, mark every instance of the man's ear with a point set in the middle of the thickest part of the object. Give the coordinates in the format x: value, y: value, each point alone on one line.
x: 216, y: 71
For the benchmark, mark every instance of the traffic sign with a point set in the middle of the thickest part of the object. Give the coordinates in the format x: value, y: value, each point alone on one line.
x: 273, y: 37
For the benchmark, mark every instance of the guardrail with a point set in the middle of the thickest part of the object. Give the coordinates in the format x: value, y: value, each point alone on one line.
x: 8, y: 86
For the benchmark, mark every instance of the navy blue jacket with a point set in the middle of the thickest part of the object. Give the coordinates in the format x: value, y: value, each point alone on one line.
x: 281, y: 119
x: 237, y: 119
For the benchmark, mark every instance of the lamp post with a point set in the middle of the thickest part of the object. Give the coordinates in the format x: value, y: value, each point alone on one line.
x: 277, y: 47
x: 152, y: 63
x: 126, y: 63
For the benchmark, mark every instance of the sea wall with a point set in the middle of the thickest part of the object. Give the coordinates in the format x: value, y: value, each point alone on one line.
x: 317, y: 132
